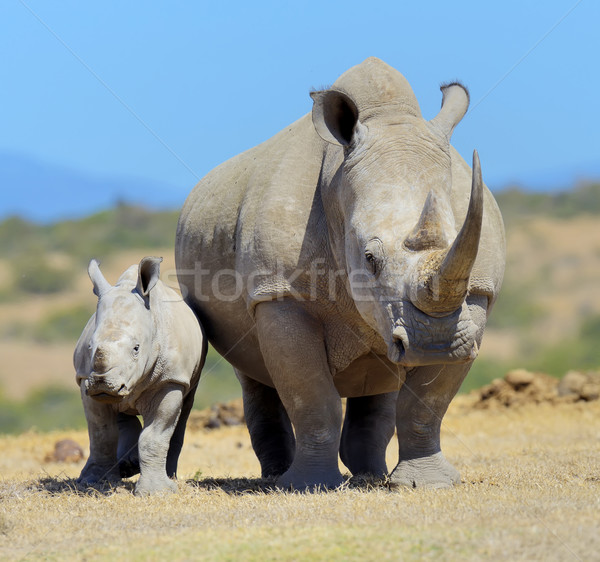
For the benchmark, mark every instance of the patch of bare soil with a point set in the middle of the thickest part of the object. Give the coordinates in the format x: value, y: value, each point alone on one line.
x: 218, y: 415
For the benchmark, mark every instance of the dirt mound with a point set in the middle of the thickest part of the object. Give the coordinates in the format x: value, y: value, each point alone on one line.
x: 218, y: 415
x: 65, y: 450
x: 520, y: 387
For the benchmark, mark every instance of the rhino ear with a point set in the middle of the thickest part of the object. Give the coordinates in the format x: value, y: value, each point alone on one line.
x: 455, y: 102
x: 335, y: 116
x: 101, y: 285
x: 148, y: 275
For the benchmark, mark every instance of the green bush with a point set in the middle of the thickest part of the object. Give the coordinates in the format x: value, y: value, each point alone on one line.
x: 218, y: 382
x: 34, y: 275
x: 63, y: 325
x: 514, y: 309
x: 45, y: 409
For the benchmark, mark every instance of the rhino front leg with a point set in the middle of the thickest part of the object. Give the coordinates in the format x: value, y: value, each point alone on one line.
x: 103, y: 432
x: 368, y: 428
x: 292, y: 344
x: 161, y: 414
x: 127, y: 453
x: 422, y: 403
x: 270, y: 429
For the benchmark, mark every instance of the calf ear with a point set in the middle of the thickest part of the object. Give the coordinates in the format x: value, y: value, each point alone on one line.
x: 335, y: 116
x: 101, y: 285
x: 148, y: 275
x: 455, y: 102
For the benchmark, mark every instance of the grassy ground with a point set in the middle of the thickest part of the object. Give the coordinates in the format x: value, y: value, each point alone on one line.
x: 530, y: 491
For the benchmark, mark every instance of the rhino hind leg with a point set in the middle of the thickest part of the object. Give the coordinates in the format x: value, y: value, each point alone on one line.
x: 369, y: 426
x: 422, y: 403
x: 270, y: 429
x: 292, y: 342
x: 127, y: 452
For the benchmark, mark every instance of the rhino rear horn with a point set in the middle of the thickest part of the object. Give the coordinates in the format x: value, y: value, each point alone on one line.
x: 101, y: 285
x: 442, y: 279
x: 455, y: 102
x: 429, y: 232
x: 148, y: 275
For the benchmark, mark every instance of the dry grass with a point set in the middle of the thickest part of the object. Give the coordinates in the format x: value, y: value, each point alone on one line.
x: 531, y: 491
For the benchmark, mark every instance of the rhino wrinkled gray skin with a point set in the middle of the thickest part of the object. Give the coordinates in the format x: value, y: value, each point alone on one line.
x: 353, y: 254
x: 141, y: 353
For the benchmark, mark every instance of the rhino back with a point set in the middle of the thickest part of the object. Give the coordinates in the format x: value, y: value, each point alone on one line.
x: 258, y: 213
x: 254, y: 214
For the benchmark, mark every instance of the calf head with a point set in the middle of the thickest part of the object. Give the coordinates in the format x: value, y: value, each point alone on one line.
x: 122, y: 347
x: 392, y: 225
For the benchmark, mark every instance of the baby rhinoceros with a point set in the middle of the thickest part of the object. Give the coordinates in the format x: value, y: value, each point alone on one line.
x: 141, y: 353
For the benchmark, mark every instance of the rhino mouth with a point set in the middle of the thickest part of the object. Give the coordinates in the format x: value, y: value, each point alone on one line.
x: 106, y: 395
x: 403, y: 354
x: 420, y: 340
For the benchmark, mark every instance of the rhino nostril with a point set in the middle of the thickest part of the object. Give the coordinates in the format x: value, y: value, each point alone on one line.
x: 400, y: 346
x: 99, y: 362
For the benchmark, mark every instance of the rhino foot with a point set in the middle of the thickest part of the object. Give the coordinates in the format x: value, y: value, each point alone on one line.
x: 94, y: 473
x: 310, y: 482
x: 129, y: 467
x: 426, y: 472
x: 148, y: 485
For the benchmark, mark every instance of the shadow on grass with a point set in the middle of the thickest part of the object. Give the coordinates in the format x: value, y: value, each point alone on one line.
x: 242, y: 486
x: 58, y: 485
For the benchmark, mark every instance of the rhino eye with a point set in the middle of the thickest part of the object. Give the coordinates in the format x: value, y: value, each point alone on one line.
x: 374, y: 256
x: 136, y: 348
x: 371, y: 262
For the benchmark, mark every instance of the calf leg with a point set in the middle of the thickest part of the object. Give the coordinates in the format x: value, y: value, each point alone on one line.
x: 270, y: 429
x: 161, y: 414
x: 292, y: 343
x: 422, y: 403
x: 127, y: 452
x: 104, y: 437
x: 368, y: 427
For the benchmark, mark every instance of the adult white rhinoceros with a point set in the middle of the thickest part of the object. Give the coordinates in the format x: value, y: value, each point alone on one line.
x: 353, y: 254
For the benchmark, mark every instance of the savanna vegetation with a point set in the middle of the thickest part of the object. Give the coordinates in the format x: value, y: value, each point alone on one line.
x: 547, y: 317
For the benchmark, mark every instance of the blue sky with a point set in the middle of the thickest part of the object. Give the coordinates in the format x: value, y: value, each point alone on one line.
x: 163, y: 92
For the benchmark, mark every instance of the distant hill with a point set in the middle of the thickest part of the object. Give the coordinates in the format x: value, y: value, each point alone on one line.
x: 119, y: 228
x: 516, y: 203
x: 44, y: 192
x: 47, y: 193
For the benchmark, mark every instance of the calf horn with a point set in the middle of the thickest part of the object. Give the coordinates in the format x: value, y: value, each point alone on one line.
x: 442, y: 279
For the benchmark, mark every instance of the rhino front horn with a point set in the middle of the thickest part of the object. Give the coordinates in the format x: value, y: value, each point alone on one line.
x: 442, y: 278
